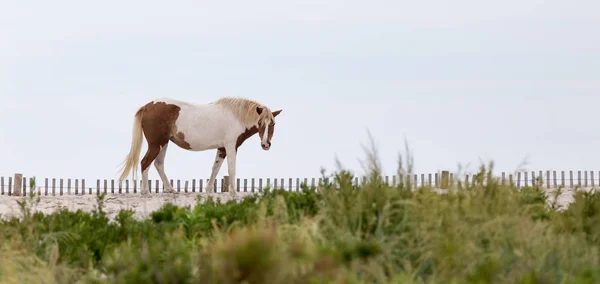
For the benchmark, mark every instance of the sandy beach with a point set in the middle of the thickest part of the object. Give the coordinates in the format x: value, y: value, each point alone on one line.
x: 143, y: 206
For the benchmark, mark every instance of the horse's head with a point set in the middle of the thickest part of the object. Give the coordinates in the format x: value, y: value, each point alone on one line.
x: 266, y: 126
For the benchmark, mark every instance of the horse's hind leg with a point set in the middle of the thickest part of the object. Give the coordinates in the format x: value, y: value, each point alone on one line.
x: 151, y: 154
x: 159, y: 163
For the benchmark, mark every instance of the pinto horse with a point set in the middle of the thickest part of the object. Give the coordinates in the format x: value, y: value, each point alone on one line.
x: 222, y: 125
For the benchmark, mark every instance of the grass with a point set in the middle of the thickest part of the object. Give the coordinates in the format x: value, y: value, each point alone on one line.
x: 484, y: 232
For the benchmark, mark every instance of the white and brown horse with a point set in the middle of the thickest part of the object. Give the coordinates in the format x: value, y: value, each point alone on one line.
x: 222, y: 125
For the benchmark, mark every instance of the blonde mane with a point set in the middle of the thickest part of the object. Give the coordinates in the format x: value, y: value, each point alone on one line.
x: 245, y: 109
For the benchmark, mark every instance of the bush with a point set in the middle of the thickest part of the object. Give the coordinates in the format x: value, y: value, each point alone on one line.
x: 478, y: 233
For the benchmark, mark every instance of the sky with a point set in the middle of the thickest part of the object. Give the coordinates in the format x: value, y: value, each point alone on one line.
x: 463, y: 82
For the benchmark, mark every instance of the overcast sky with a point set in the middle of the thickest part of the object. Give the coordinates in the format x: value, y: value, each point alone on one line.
x: 459, y: 80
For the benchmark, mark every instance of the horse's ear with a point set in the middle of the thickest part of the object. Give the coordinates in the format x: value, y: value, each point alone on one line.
x: 259, y: 110
x: 275, y: 113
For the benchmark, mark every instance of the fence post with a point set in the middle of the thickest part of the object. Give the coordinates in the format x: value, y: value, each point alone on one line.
x: 225, y: 184
x: 445, y: 179
x: 18, y: 185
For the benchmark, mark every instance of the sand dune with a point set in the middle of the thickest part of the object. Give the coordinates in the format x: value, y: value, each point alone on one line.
x: 143, y: 206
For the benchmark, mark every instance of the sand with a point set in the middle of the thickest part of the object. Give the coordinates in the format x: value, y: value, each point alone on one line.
x: 113, y: 203
x: 143, y: 206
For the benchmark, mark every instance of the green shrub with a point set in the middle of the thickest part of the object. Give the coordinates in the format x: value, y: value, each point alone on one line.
x: 483, y: 232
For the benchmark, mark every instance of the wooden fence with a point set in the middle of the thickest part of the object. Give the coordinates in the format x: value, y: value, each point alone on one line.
x: 18, y: 185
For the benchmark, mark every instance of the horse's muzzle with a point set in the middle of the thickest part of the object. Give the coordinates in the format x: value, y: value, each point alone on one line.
x: 266, y: 147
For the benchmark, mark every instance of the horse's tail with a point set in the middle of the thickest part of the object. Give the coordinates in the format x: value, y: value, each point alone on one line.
x: 131, y: 162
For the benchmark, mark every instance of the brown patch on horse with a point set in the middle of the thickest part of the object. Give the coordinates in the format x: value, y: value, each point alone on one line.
x: 222, y: 153
x: 271, y: 127
x: 179, y: 140
x: 247, y: 134
x: 240, y: 140
x: 158, y: 123
x: 244, y: 136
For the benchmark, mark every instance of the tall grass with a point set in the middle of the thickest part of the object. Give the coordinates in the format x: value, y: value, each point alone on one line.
x: 483, y: 232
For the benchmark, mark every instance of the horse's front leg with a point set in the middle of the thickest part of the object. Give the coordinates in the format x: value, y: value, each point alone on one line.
x: 221, y: 154
x: 231, y: 159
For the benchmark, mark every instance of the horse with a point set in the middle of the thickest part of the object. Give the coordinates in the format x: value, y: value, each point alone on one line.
x: 223, y: 125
